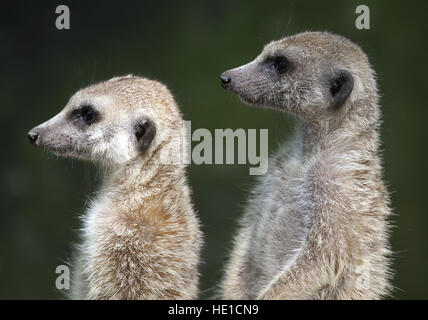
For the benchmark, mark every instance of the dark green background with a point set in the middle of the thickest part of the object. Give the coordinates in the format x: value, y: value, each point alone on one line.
x: 187, y: 45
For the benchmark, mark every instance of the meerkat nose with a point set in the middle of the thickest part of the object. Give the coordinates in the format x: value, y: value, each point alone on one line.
x: 33, y: 137
x: 225, y: 80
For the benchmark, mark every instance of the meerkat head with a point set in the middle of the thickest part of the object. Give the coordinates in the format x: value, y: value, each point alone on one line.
x: 112, y: 122
x: 309, y: 74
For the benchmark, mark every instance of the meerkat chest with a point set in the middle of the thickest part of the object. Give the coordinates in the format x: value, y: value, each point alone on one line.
x: 282, y: 220
x: 95, y: 221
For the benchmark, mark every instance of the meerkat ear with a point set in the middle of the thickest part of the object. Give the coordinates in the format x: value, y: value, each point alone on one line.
x: 340, y: 87
x: 145, y: 131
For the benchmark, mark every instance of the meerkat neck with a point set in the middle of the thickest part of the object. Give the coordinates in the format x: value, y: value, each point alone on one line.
x: 362, y: 133
x: 138, y: 182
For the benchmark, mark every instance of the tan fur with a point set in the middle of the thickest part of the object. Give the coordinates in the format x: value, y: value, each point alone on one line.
x: 315, y: 226
x: 141, y: 237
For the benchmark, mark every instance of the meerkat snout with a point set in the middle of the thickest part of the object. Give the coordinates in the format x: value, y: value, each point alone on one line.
x: 33, y: 137
x: 225, y: 80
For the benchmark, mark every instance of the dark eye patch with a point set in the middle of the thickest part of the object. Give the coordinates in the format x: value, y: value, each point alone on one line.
x: 279, y: 63
x: 85, y: 115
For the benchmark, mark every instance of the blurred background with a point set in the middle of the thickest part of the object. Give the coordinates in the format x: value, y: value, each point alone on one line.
x: 187, y: 45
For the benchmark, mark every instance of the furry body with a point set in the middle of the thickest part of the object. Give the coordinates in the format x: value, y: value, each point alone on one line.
x: 140, y: 236
x: 316, y: 225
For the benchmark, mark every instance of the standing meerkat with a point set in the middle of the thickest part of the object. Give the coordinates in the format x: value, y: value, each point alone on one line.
x: 141, y: 237
x: 316, y: 225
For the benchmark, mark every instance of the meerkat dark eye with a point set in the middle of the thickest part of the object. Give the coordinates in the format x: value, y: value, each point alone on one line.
x: 86, y: 115
x: 280, y: 64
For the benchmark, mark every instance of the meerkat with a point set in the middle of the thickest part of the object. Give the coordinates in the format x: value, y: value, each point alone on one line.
x: 141, y: 238
x: 316, y: 224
